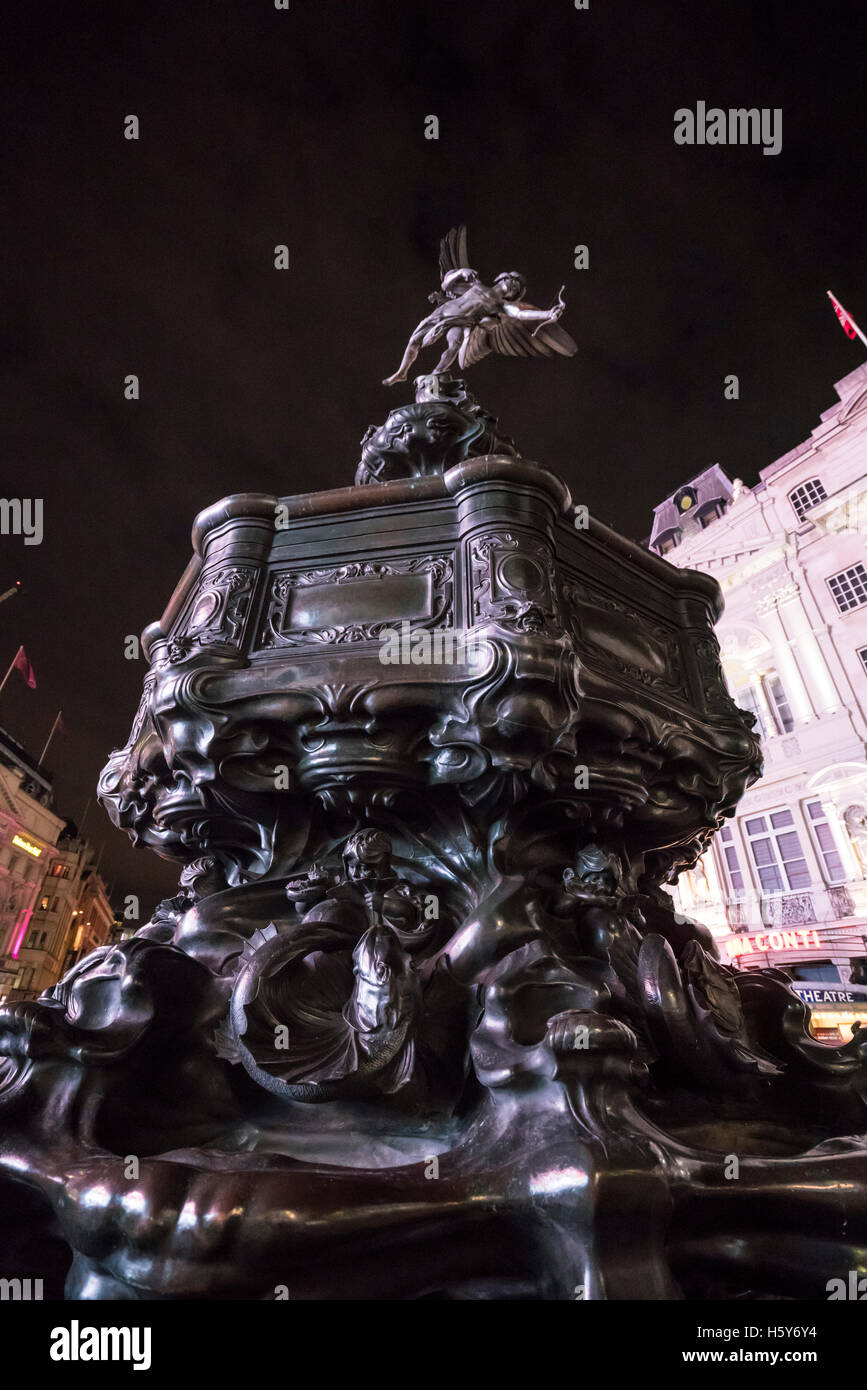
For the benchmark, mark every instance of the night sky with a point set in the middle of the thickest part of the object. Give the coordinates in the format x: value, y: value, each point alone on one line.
x: 306, y: 127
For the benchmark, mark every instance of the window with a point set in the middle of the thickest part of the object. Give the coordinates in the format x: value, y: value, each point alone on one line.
x: 806, y: 496
x: 733, y: 868
x: 780, y: 706
x: 815, y: 970
x: 777, y: 852
x: 13, y: 863
x: 60, y: 871
x: 826, y: 844
x: 42, y: 938
x: 669, y: 542
x: 712, y: 512
x: 849, y: 588
x: 746, y: 698
x: 863, y: 655
x: 43, y: 906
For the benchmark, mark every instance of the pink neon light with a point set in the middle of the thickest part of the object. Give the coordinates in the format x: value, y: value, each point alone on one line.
x: 27, y: 914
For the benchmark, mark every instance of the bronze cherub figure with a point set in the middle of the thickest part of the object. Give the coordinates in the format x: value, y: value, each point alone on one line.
x: 475, y: 318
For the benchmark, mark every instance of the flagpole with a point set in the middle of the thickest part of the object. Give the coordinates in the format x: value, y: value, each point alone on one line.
x: 835, y: 302
x: 11, y: 669
x: 51, y: 735
x: 15, y: 589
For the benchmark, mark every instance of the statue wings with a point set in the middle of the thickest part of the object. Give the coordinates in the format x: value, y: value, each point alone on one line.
x: 453, y: 251
x: 516, y: 338
x: 510, y: 337
x: 453, y: 256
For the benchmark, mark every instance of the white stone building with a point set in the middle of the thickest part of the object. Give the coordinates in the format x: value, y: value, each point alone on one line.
x: 785, y: 881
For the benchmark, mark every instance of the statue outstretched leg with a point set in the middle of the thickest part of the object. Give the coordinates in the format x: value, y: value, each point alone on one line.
x: 409, y: 356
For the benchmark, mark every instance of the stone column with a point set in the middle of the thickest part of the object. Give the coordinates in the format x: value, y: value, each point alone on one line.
x: 841, y: 837
x: 787, y: 667
x: 764, y: 704
x: 820, y: 684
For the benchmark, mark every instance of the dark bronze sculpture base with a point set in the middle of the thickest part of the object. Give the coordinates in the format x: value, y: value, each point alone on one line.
x: 420, y: 1022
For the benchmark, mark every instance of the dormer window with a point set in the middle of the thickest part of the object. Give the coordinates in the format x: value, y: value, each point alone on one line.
x: 712, y: 511
x: 668, y: 541
x: 806, y: 496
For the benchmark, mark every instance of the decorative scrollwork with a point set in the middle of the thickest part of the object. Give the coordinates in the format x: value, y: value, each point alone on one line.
x: 278, y: 629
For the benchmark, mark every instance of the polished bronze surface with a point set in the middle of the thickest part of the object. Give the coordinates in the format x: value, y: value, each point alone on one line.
x: 420, y: 1021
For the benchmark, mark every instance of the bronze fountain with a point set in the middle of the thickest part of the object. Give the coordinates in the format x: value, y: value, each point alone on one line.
x: 421, y: 1021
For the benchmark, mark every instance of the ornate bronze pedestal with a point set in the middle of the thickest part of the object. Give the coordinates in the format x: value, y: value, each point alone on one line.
x: 420, y: 1022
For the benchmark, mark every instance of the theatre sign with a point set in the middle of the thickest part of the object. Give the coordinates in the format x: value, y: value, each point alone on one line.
x: 834, y: 1010
x: 819, y: 960
x: 794, y: 939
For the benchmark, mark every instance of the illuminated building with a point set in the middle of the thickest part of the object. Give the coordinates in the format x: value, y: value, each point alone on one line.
x: 72, y: 914
x: 29, y: 829
x: 95, y: 922
x: 53, y: 903
x: 784, y: 883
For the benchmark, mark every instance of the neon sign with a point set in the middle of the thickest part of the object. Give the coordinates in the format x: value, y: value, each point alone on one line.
x: 22, y: 932
x: 796, y: 939
x: 27, y: 845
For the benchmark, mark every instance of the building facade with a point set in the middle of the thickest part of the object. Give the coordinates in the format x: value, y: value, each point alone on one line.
x: 54, y: 906
x: 95, y: 920
x: 72, y: 914
x: 784, y: 882
x: 29, y: 830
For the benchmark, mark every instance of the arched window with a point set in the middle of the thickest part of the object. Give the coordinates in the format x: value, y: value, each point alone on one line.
x: 806, y: 496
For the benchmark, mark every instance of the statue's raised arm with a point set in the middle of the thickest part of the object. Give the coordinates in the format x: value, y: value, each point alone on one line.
x: 475, y: 318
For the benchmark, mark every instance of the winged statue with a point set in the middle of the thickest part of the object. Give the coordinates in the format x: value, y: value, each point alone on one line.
x: 475, y: 318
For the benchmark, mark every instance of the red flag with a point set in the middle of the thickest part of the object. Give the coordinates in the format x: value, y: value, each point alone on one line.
x: 847, y: 323
x: 23, y: 667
